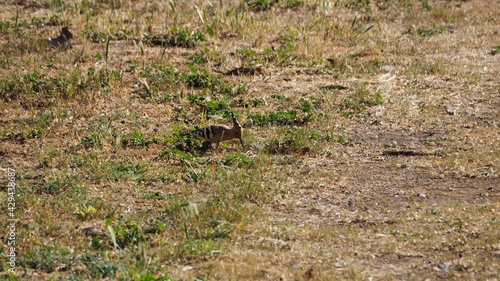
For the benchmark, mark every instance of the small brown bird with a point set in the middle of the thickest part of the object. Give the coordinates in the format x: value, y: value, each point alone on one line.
x: 218, y: 133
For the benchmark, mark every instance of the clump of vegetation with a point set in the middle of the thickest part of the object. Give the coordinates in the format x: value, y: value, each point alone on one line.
x: 260, y: 5
x: 177, y: 37
x: 204, y: 80
x: 289, y: 117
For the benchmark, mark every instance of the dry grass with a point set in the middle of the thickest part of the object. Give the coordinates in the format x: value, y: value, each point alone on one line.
x: 372, y: 132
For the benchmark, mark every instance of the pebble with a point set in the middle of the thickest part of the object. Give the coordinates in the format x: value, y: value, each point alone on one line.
x: 444, y: 266
x: 295, y: 266
x: 423, y: 196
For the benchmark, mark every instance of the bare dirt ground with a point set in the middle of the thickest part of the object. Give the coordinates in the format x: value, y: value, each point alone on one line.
x: 405, y: 187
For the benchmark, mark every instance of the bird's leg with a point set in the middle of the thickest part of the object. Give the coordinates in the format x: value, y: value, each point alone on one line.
x: 242, y: 145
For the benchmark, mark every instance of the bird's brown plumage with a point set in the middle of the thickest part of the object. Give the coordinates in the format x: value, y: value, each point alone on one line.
x: 219, y: 133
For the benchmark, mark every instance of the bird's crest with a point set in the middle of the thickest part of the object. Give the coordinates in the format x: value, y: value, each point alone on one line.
x: 235, y: 122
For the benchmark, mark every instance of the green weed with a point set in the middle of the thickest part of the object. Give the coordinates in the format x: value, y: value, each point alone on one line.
x: 360, y: 5
x: 289, y: 117
x: 294, y: 4
x: 56, y: 184
x: 87, y: 212
x: 47, y: 258
x: 93, y: 140
x: 94, y: 36
x: 113, y: 170
x: 290, y: 141
x: 360, y: 99
x: 260, y: 5
x: 177, y: 37
x: 137, y: 139
x: 198, y: 58
x: 129, y: 234
x: 204, y: 80
x: 495, y: 50
x: 99, y: 267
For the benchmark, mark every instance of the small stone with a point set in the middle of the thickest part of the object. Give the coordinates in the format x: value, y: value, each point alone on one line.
x: 388, y: 68
x: 295, y: 266
x: 187, y: 267
x: 444, y: 266
x: 423, y: 196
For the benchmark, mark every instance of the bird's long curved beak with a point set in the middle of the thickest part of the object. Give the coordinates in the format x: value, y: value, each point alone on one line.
x: 242, y: 145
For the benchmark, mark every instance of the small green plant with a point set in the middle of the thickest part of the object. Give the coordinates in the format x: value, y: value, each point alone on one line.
x: 48, y: 258
x: 360, y: 99
x: 5, y: 61
x: 137, y: 139
x: 457, y: 222
x: 425, y: 5
x: 91, y: 141
x: 421, y: 68
x: 204, y: 80
x: 286, y: 49
x: 289, y: 117
x: 55, y: 184
x: 101, y: 78
x: 429, y: 31
x: 294, y: 4
x: 290, y: 141
x: 153, y: 195
x: 98, y: 267
x: 216, y: 107
x: 192, y: 248
x: 129, y: 235
x: 260, y: 5
x: 177, y: 37
x: 198, y: 58
x: 360, y: 5
x: 85, y: 213
x: 495, y: 50
x: 115, y: 170
x: 305, y: 105
x: 4, y: 26
x: 257, y: 102
x: 403, y: 238
x: 250, y: 57
x: 238, y: 160
x: 341, y: 140
x: 158, y: 78
x: 94, y: 36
